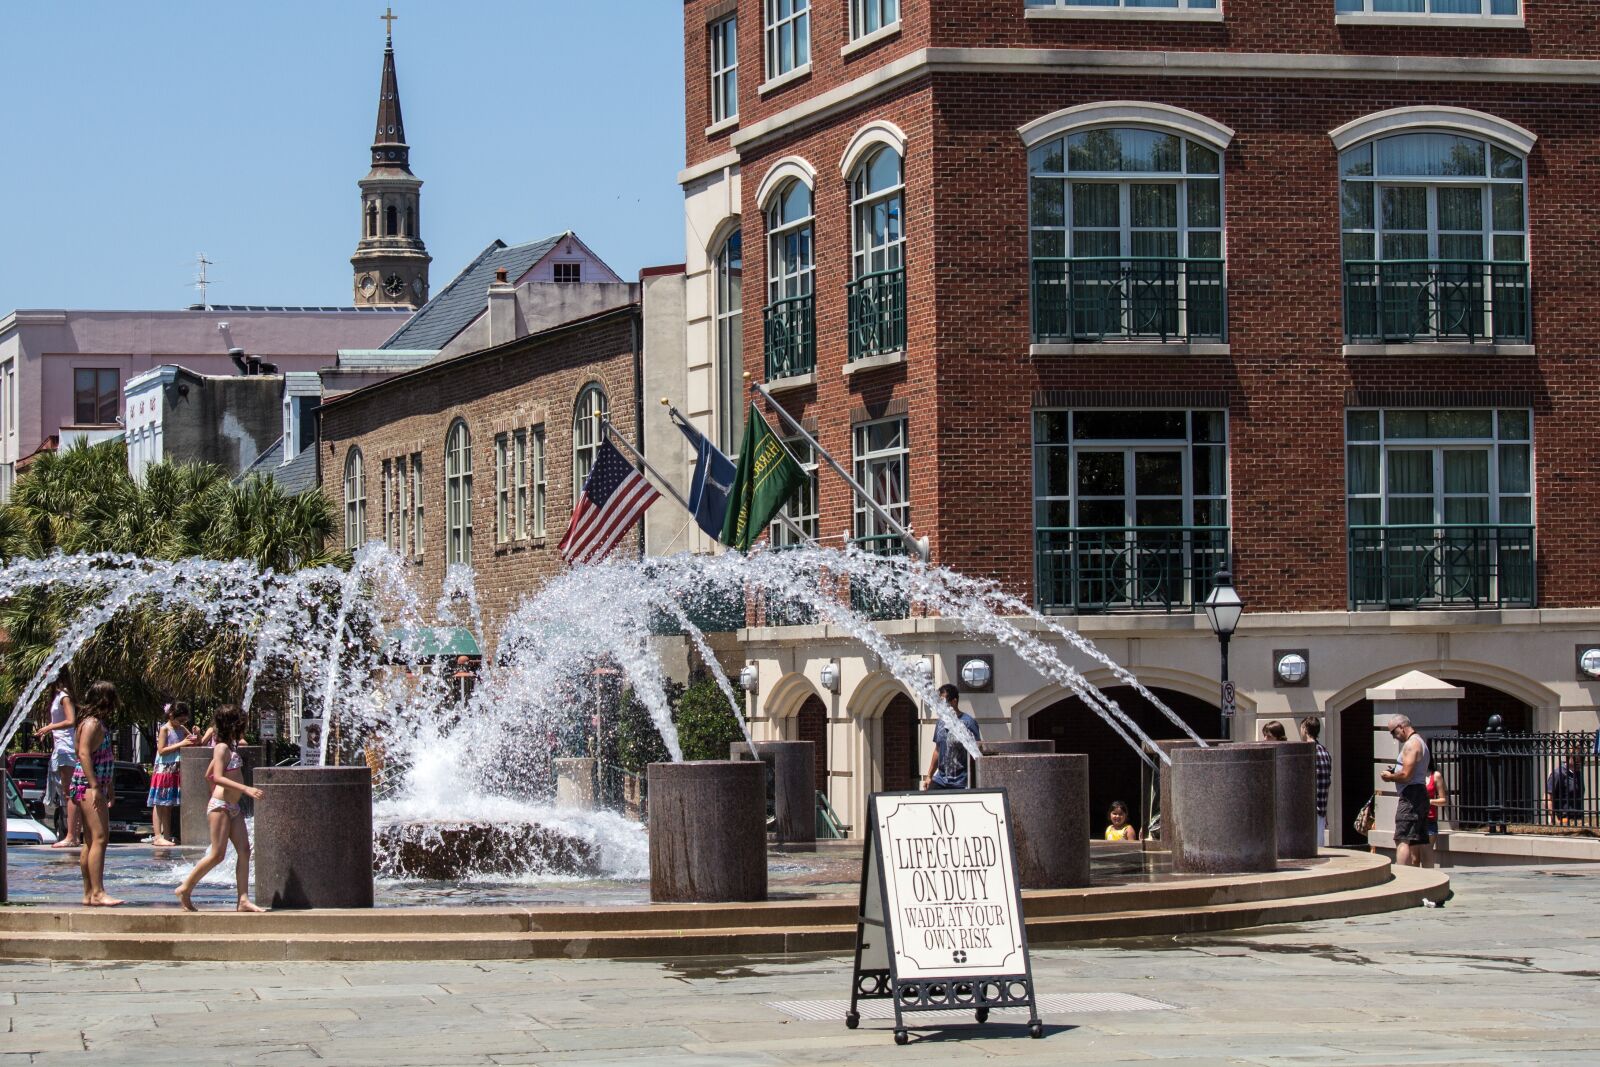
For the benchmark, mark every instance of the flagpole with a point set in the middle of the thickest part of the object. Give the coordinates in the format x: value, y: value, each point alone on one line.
x: 607, y: 430
x: 918, y: 548
x: 788, y: 523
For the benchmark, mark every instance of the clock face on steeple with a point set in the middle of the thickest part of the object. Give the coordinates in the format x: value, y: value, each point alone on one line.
x: 394, y: 286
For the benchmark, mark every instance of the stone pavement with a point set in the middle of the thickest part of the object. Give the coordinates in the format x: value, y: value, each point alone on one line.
x: 1509, y: 972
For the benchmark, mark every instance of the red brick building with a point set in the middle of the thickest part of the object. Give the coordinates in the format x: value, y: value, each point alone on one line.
x: 1102, y: 296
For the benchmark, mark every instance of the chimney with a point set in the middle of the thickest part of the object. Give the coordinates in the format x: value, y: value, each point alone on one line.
x: 237, y: 355
x: 502, y: 309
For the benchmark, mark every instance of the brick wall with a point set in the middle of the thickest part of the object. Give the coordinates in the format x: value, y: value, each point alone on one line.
x: 533, y: 381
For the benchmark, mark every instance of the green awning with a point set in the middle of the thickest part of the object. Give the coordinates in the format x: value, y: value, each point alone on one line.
x: 431, y: 642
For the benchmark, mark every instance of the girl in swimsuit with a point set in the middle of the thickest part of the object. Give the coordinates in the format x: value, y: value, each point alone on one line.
x: 91, y: 790
x: 223, y: 816
x: 62, y: 731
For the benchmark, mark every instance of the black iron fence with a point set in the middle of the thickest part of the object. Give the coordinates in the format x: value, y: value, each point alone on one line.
x: 1128, y: 298
x: 1443, y: 565
x: 1526, y: 782
x: 877, y: 313
x: 1086, y: 570
x: 1459, y: 300
x: 791, y: 337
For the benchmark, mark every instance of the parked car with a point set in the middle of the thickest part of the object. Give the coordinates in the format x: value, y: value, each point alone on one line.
x: 31, y: 771
x: 21, y: 827
x: 130, y: 808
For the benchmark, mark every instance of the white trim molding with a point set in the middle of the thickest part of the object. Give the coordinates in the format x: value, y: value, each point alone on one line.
x: 1461, y: 119
x: 867, y: 40
x: 781, y: 171
x: 1126, y: 113
x: 874, y: 133
x: 1147, y: 14
x: 783, y: 79
x: 1450, y: 22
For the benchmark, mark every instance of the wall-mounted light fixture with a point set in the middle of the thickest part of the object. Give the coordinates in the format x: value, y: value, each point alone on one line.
x: 1589, y: 662
x: 1291, y: 668
x: 749, y: 677
x: 977, y: 674
x: 829, y: 676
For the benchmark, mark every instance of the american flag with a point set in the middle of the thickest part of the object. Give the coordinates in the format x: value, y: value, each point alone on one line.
x: 614, y: 496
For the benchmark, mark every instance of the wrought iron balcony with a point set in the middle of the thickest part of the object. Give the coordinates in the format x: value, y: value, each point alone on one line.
x: 1448, y: 300
x: 1129, y: 299
x: 1094, y: 570
x: 1465, y: 565
x: 877, y: 313
x: 791, y: 333
x: 877, y: 603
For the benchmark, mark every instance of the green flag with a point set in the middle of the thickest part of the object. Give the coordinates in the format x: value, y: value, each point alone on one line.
x: 767, y: 477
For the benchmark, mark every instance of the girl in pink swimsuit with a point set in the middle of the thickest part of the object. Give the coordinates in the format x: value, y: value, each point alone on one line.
x: 223, y: 817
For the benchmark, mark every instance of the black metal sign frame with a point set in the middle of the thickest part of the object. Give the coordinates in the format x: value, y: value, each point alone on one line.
x: 875, y: 975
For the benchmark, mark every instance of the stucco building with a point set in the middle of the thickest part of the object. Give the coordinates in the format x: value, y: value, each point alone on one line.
x: 1103, y: 296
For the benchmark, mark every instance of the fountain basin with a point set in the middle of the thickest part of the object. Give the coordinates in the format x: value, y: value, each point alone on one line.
x: 444, y: 850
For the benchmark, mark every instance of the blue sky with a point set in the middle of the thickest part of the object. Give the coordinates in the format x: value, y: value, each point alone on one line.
x: 138, y: 134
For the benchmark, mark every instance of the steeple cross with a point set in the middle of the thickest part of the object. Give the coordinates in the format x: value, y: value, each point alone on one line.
x: 388, y: 18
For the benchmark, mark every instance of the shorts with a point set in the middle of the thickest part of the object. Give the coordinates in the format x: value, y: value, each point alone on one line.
x: 63, y: 761
x: 1411, y: 816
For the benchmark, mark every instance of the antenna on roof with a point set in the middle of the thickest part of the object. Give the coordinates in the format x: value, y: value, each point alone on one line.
x: 200, y: 280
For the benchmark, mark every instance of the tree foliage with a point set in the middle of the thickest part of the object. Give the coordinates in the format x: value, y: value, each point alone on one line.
x: 706, y: 725
x: 82, y: 499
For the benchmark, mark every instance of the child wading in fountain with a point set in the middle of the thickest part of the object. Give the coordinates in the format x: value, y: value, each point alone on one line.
x: 222, y: 811
x: 62, y: 729
x: 172, y: 737
x: 91, y: 790
x: 1120, y: 829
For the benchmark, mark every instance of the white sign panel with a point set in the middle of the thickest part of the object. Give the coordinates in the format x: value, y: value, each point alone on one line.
x: 950, y: 885
x: 310, y: 742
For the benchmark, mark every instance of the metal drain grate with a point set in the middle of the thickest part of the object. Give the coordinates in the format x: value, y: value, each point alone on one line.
x: 1049, y: 1004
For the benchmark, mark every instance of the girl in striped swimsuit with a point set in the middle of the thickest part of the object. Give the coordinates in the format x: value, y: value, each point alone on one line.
x: 223, y: 816
x: 91, y: 790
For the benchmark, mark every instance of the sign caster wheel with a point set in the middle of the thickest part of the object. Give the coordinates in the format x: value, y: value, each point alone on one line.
x: 901, y: 1037
x: 982, y: 1015
x: 852, y: 1019
x: 1036, y: 1029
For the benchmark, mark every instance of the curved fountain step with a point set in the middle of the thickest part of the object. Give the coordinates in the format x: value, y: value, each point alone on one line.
x: 1406, y: 888
x: 1338, y: 871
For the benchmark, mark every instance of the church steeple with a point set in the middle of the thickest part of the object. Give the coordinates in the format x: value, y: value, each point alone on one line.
x: 391, y: 262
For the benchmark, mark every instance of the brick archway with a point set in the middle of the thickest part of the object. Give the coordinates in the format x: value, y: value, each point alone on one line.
x: 900, y: 744
x: 811, y: 724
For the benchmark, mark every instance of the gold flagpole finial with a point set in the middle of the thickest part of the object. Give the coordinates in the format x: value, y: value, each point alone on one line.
x: 665, y: 402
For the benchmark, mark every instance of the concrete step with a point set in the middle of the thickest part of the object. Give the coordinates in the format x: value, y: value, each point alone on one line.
x: 1405, y: 889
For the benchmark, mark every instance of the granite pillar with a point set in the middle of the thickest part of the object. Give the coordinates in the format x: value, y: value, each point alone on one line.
x: 708, y: 833
x: 1297, y: 799
x: 1049, y: 799
x: 194, y: 791
x: 575, y: 783
x: 1170, y: 827
x: 4, y: 858
x: 313, y: 837
x: 1012, y: 747
x: 1226, y: 800
x: 794, y: 788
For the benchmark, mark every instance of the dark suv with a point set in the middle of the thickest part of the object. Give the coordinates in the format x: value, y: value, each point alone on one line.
x: 30, y: 770
x: 130, y: 810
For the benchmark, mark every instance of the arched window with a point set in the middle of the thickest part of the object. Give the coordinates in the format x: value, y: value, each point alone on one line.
x: 1434, y: 229
x: 586, y: 434
x: 411, y: 221
x: 1126, y: 227
x: 355, y: 500
x: 458, y: 493
x: 790, y: 327
x: 372, y: 219
x: 878, y: 293
x: 729, y: 311
x: 390, y: 221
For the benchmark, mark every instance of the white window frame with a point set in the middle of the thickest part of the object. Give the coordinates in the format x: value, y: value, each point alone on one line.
x: 722, y: 61
x: 729, y: 316
x: 1366, y: 12
x: 417, y: 528
x: 586, y: 434
x: 355, y: 500
x: 862, y: 204
x: 1384, y: 444
x: 540, y: 485
x: 870, y: 18
x: 865, y: 461
x: 458, y: 493
x: 790, y: 272
x: 786, y: 20
x: 502, y: 488
x: 402, y: 499
x: 389, y: 514
x: 519, y: 485
x: 803, y: 507
x: 1181, y: 10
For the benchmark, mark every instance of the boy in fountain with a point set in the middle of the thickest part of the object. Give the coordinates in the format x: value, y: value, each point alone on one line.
x: 950, y: 766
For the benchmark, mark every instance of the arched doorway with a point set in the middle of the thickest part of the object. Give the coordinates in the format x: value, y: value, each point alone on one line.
x: 1115, y: 770
x: 811, y: 724
x: 1356, y: 748
x: 900, y: 744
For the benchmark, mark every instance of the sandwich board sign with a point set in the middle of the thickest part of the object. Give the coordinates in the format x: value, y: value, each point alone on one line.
x: 940, y: 923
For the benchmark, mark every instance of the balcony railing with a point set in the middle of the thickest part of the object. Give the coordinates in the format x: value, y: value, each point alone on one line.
x: 1129, y: 299
x: 791, y: 329
x: 1520, y: 783
x: 1450, y: 565
x: 1450, y: 300
x: 1093, y: 570
x: 878, y: 603
x: 877, y: 313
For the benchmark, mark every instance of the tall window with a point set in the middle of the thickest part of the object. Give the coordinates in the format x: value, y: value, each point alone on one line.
x: 355, y: 501
x: 789, y: 236
x: 1440, y: 506
x: 458, y: 494
x: 723, y: 37
x: 729, y: 310
x: 402, y: 500
x: 519, y: 484
x: 1127, y: 236
x: 416, y: 505
x: 788, y: 35
x: 586, y: 435
x: 1435, y: 239
x: 502, y: 488
x: 882, y: 466
x: 802, y: 507
x: 391, y: 514
x: 1138, y: 5
x: 1130, y: 508
x: 877, y: 296
x: 96, y: 396
x: 870, y: 16
x: 539, y: 483
x: 1430, y: 7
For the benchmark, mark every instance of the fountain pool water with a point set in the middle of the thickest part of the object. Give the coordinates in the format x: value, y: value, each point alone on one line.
x: 465, y: 787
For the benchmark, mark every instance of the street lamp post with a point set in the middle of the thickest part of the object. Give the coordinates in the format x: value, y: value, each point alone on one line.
x: 1223, y: 608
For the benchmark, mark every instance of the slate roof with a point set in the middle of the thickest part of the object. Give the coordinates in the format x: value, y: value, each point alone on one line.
x: 380, y: 358
x: 465, y: 298
x: 267, y: 463
x: 296, y: 476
